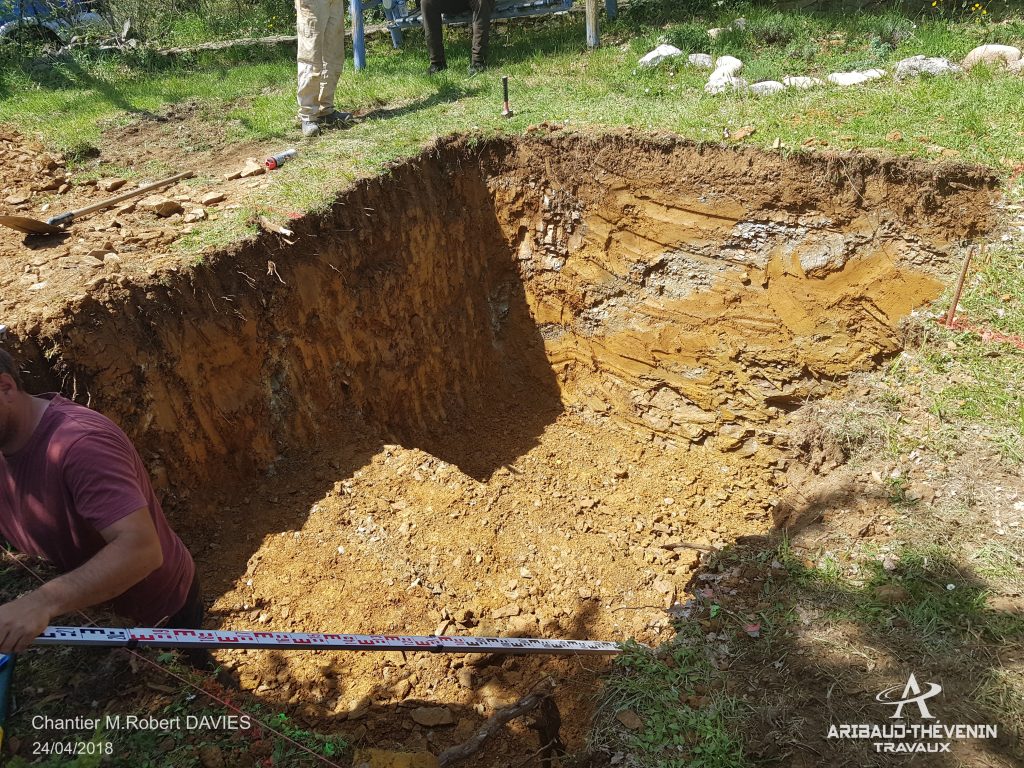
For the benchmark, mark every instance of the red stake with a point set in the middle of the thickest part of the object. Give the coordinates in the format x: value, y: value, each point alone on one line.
x: 960, y: 285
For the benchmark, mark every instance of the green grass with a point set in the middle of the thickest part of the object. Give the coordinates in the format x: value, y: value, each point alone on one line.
x: 939, y: 606
x: 973, y: 380
x: 683, y: 721
x: 75, y: 101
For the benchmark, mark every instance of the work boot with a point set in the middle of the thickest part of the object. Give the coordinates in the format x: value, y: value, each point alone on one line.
x: 310, y: 129
x: 476, y: 69
x: 433, y: 69
x: 337, y: 119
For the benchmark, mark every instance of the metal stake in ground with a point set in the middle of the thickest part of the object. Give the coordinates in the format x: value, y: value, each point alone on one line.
x: 144, y: 637
x: 506, y: 110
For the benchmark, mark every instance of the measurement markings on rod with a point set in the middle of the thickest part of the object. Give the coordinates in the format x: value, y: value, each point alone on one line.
x: 209, y: 638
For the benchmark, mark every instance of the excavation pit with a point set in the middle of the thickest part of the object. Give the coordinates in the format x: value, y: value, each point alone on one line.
x: 488, y: 392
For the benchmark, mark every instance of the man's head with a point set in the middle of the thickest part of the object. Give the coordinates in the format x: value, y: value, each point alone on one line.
x: 12, y: 396
x: 8, y: 366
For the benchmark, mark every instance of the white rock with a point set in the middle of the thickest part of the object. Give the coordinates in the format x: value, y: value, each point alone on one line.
x: 714, y: 32
x: 739, y: 23
x: 767, y: 88
x: 724, y: 77
x: 701, y: 60
x: 725, y: 83
x: 855, y: 78
x: 824, y: 255
x: 728, y: 65
x: 998, y: 55
x: 801, y: 82
x: 916, y: 66
x: 659, y: 54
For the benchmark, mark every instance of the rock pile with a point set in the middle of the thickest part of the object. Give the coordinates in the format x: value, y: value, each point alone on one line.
x: 725, y: 69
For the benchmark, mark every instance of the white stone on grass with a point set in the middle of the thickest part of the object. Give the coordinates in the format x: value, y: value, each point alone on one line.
x: 916, y: 66
x: 993, y: 55
x: 701, y: 60
x: 802, y: 82
x: 728, y: 65
x: 767, y: 88
x: 659, y: 54
x: 724, y: 77
x: 725, y: 83
x: 855, y: 78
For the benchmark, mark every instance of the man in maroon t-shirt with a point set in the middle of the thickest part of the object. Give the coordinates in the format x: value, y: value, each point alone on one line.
x: 74, y: 490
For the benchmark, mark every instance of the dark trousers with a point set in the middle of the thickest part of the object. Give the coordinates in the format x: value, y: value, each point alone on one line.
x: 190, y: 616
x: 431, y: 11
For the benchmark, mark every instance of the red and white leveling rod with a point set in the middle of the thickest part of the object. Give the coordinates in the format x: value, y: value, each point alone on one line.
x: 208, y: 638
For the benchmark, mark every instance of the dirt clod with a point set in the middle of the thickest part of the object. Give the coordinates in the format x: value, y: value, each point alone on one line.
x: 211, y: 756
x: 160, y: 205
x: 112, y: 184
x: 630, y: 719
x: 431, y: 717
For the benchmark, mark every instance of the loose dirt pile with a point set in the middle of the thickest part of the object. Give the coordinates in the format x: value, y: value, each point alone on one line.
x: 129, y: 243
x: 29, y: 169
x: 517, y: 387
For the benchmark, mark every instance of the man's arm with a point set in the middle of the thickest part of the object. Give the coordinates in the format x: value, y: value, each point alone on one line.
x: 131, y: 553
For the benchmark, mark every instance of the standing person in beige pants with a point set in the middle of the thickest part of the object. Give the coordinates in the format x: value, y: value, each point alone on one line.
x: 320, y: 25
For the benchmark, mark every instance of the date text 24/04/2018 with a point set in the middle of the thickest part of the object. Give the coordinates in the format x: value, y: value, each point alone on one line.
x: 72, y: 748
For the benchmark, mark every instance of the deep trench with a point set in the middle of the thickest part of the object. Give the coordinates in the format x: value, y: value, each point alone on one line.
x: 562, y: 314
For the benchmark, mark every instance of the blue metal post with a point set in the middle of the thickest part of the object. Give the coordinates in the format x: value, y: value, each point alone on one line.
x: 358, y: 35
x: 611, y: 7
x: 393, y: 14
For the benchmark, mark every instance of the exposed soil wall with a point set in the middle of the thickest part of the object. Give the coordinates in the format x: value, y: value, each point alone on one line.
x: 688, y: 289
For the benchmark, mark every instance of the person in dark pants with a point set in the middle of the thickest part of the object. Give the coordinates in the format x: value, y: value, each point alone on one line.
x: 431, y: 11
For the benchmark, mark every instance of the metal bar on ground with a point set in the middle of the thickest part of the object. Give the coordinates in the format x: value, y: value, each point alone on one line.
x: 144, y: 637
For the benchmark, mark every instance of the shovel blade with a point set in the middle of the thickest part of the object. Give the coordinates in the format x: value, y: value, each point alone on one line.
x: 29, y: 226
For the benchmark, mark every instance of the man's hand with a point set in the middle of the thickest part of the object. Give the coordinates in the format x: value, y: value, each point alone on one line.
x: 22, y: 621
x: 131, y: 553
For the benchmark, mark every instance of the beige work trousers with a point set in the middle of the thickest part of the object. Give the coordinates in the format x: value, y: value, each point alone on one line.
x: 321, y: 29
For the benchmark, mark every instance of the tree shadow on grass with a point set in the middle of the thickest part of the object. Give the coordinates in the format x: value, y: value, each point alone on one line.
x: 838, y: 649
x: 446, y: 93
